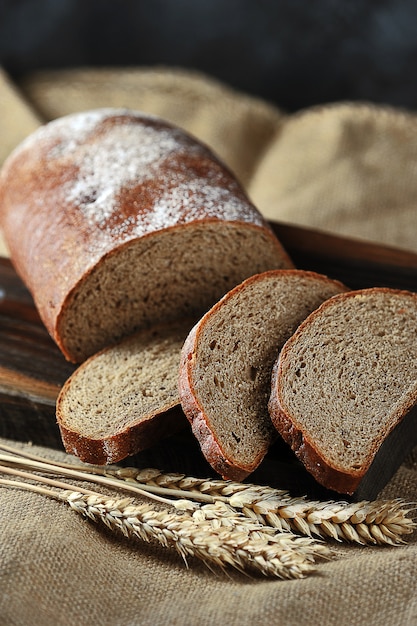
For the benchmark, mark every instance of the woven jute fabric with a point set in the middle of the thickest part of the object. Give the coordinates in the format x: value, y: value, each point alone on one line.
x: 57, y: 569
x: 346, y: 168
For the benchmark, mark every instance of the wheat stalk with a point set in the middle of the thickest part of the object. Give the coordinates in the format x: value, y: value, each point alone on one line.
x: 379, y: 522
x: 213, y: 533
x: 214, y: 536
x: 366, y: 522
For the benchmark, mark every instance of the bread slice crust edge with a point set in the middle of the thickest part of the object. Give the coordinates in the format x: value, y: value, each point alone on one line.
x: 209, y: 443
x: 326, y: 473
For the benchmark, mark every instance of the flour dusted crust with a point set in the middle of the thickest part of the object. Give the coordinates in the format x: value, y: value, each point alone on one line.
x: 89, y: 186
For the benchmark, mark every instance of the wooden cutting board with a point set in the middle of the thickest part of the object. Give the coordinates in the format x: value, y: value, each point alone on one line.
x: 32, y: 369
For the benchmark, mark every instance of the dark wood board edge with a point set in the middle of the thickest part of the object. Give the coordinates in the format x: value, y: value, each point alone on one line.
x: 302, y: 240
x: 358, y: 264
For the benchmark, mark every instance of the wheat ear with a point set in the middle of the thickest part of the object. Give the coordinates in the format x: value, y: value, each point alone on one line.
x: 378, y: 522
x: 212, y: 536
x: 215, y: 534
x: 366, y: 522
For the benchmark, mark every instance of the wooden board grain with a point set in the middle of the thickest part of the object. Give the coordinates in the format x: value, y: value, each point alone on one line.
x: 359, y: 264
x: 32, y: 369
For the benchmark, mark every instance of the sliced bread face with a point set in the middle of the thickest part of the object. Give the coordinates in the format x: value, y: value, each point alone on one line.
x: 227, y: 359
x: 125, y: 398
x: 344, y: 384
x: 116, y: 220
x: 173, y: 273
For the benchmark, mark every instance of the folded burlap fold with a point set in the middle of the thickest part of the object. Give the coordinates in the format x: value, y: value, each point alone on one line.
x: 57, y: 569
x: 346, y: 168
x: 17, y: 117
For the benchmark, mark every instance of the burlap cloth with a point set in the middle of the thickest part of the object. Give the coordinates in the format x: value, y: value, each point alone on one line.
x: 347, y: 168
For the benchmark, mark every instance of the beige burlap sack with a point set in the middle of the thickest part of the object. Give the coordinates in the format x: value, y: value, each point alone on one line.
x: 57, y: 569
x: 346, y: 168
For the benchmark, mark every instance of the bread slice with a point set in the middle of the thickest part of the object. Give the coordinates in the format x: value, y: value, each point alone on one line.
x: 227, y: 359
x: 125, y: 398
x: 345, y: 383
x: 117, y: 220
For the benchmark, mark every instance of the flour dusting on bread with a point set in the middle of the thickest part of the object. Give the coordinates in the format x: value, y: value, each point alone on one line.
x: 108, y: 214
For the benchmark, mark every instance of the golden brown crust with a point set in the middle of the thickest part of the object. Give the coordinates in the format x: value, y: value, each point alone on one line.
x: 78, y: 189
x: 326, y: 473
x: 133, y: 439
x: 199, y: 421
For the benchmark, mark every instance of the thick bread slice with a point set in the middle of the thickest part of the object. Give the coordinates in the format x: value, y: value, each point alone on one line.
x: 227, y: 359
x: 344, y: 382
x: 117, y: 220
x: 125, y: 398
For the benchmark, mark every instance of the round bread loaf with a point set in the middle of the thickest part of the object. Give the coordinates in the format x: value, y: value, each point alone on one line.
x: 116, y: 220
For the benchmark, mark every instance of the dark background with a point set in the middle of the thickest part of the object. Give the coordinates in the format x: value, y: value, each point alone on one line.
x: 295, y: 53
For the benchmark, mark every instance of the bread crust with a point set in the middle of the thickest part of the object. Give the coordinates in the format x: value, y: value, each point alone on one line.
x: 135, y: 438
x: 207, y: 439
x: 58, y: 231
x: 326, y: 473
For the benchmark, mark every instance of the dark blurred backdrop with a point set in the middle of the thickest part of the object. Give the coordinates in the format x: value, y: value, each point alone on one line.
x: 295, y: 53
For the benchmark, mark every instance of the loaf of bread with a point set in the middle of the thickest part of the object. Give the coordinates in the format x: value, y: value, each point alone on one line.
x: 116, y: 220
x: 344, y: 387
x: 227, y: 359
x: 125, y: 398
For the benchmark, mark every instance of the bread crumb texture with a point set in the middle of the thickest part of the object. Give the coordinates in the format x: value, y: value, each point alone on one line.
x: 237, y: 344
x: 350, y: 373
x: 116, y: 219
x: 124, y: 385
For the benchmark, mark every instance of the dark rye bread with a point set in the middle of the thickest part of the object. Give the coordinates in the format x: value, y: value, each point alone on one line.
x: 227, y: 359
x: 117, y: 220
x: 125, y: 398
x: 344, y: 386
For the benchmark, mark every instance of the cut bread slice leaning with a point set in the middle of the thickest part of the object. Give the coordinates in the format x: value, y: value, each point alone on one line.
x: 125, y: 398
x: 227, y: 360
x: 344, y: 386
